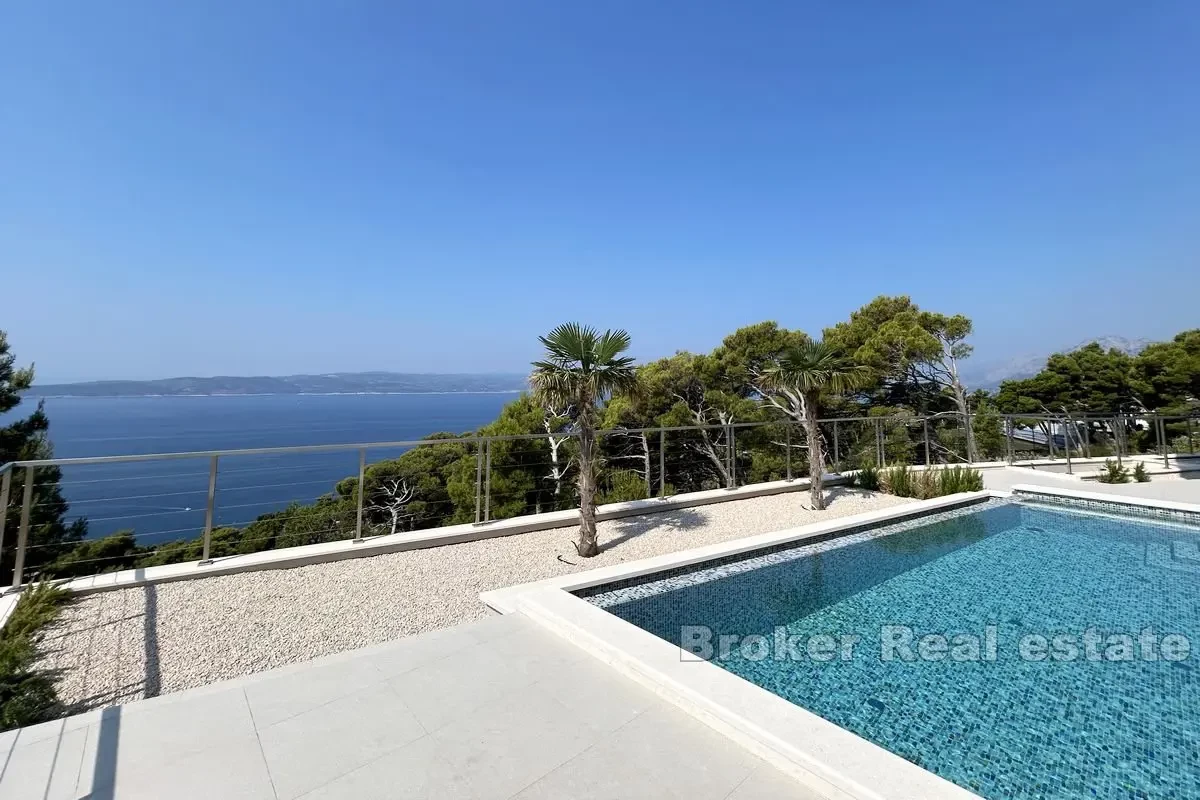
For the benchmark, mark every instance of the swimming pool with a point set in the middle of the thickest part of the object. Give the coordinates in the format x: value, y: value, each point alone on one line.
x: 1014, y: 648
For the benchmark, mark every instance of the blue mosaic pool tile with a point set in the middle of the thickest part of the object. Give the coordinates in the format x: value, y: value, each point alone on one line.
x: 611, y: 594
x: 1008, y: 728
x: 1154, y: 513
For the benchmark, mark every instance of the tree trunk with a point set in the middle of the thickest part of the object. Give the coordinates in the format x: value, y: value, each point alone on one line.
x: 587, y: 546
x: 556, y: 470
x: 816, y: 455
x: 646, y: 464
x: 960, y: 400
x: 708, y: 448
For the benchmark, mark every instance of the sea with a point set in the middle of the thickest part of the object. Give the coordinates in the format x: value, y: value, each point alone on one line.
x: 163, y: 500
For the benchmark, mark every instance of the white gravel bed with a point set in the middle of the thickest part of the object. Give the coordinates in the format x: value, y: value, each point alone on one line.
x: 125, y: 645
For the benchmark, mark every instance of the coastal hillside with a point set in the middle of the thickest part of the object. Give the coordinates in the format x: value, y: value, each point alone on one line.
x: 330, y: 383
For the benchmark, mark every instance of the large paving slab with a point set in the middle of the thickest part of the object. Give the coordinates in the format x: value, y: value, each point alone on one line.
x: 496, y: 709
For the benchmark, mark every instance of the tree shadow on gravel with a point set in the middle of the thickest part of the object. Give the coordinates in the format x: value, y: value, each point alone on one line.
x: 835, y: 493
x: 153, y: 684
x: 632, y: 527
x: 150, y: 684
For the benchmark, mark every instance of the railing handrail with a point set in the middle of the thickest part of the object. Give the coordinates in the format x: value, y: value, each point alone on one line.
x: 386, y: 445
x: 483, y: 450
x: 483, y: 439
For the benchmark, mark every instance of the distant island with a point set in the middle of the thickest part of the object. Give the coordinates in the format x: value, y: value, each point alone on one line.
x: 330, y: 383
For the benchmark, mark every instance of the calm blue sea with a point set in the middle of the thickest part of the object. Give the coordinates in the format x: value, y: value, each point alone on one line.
x: 164, y: 500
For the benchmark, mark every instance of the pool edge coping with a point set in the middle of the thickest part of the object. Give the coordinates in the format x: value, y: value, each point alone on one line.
x: 819, y: 754
x: 1103, y: 497
x: 824, y: 757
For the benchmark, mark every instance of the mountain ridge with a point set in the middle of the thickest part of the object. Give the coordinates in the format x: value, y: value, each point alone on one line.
x: 375, y: 382
x: 990, y: 374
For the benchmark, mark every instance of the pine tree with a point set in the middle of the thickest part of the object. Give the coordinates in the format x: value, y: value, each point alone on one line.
x: 23, y: 439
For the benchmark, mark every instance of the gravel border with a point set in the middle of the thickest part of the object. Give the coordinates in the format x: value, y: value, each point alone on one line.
x: 119, y: 646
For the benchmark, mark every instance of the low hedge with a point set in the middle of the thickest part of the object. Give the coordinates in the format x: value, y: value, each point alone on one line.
x: 27, y: 694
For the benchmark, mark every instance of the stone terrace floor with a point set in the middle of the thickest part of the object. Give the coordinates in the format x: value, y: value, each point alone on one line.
x: 1179, y: 488
x: 494, y: 709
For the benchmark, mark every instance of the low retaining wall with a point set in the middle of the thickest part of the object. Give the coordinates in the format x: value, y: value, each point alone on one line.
x: 286, y: 558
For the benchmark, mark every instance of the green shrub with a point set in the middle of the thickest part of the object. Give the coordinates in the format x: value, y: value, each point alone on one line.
x: 27, y: 694
x: 1113, y: 473
x: 952, y: 480
x: 898, y: 481
x: 1139, y: 473
x: 867, y: 478
x: 108, y: 554
x: 623, y: 485
x: 926, y: 483
x: 903, y: 481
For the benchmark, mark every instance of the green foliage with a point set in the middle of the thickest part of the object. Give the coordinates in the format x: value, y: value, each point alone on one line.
x: 1168, y: 373
x: 425, y: 470
x: 1113, y: 473
x: 898, y: 444
x: 108, y: 554
x: 908, y: 353
x: 27, y: 438
x: 27, y: 694
x: 904, y: 481
x: 806, y: 371
x: 581, y: 368
x: 868, y: 477
x: 912, y: 353
x: 224, y: 542
x: 1139, y: 473
x: 952, y: 480
x: 623, y: 485
x: 898, y: 481
x: 713, y: 389
x: 811, y: 368
x: 1184, y: 444
x: 1087, y: 379
x: 988, y: 429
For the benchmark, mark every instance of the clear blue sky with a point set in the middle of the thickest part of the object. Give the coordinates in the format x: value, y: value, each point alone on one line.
x: 250, y: 187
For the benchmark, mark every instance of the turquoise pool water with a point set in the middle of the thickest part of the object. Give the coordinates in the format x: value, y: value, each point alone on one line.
x: 1014, y: 716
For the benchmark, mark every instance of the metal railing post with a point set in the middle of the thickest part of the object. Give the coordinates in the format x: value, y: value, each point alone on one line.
x: 880, y: 456
x: 1067, y: 446
x: 487, y: 484
x: 646, y: 453
x: 362, y: 480
x: 1166, y: 447
x: 787, y: 443
x: 662, y: 463
x: 837, y: 456
x: 1009, y: 425
x: 1191, y: 441
x: 925, y: 425
x: 478, y: 482
x: 969, y: 434
x: 206, y: 558
x: 731, y: 438
x: 23, y: 530
x: 5, y: 487
x: 1116, y: 431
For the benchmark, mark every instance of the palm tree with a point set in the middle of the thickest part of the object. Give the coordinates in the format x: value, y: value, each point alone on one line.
x: 582, y: 367
x: 808, y: 370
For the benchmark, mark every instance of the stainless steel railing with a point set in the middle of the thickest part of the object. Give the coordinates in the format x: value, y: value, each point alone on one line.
x: 876, y: 439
